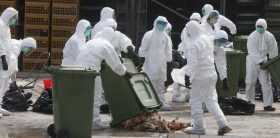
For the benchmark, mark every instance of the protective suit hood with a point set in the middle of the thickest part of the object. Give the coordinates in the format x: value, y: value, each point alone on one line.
x: 28, y: 42
x: 159, y: 18
x: 213, y: 13
x: 81, y: 27
x: 169, y: 27
x: 208, y: 8
x: 111, y: 23
x: 195, y: 16
x: 107, y: 33
x: 107, y: 13
x: 221, y: 34
x: 193, y: 29
x: 8, y: 14
x: 262, y: 23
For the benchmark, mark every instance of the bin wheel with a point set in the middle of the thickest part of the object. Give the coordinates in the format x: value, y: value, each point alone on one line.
x: 63, y: 134
x: 51, y: 131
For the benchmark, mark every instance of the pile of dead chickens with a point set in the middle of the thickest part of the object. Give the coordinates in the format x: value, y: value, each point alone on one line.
x: 153, y: 122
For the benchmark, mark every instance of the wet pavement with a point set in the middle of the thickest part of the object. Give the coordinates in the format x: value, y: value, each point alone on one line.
x: 262, y: 124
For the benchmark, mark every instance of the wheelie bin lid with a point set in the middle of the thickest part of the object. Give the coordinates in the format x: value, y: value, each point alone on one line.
x: 265, y: 65
x: 71, y: 70
x: 232, y: 52
x: 241, y: 37
x: 145, y: 91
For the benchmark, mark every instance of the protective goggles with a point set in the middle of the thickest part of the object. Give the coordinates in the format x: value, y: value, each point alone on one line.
x: 161, y: 23
x: 222, y: 40
x: 89, y: 27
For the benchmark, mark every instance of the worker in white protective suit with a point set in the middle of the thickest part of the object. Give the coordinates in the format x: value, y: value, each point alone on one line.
x: 176, y: 96
x: 194, y: 17
x: 155, y: 53
x: 201, y: 74
x: 210, y: 28
x: 95, y: 51
x: 121, y: 42
x: 181, y: 48
x: 76, y: 42
x: 8, y: 18
x: 105, y: 14
x: 222, y: 20
x: 261, y: 46
x: 27, y: 46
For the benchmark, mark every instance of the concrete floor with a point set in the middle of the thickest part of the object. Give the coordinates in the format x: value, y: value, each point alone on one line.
x: 261, y: 124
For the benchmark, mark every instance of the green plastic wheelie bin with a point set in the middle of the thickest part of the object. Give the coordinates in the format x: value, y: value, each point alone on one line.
x: 273, y: 67
x: 73, y: 90
x: 240, y: 43
x: 128, y: 97
x: 233, y: 60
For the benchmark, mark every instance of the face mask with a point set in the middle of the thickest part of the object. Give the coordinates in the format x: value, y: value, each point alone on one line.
x: 25, y: 50
x: 214, y: 21
x: 160, y: 27
x: 87, y: 33
x: 203, y: 13
x: 260, y: 30
x: 12, y: 21
x: 220, y: 42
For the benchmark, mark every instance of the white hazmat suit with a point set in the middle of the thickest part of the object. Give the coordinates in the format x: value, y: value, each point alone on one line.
x: 95, y: 51
x: 105, y: 14
x: 195, y: 16
x: 156, y: 48
x: 259, y: 45
x: 222, y: 21
x: 203, y: 79
x: 75, y: 43
x: 107, y: 19
x: 16, y: 48
x: 176, y: 97
x: 5, y: 45
x: 182, y: 48
x: 219, y: 52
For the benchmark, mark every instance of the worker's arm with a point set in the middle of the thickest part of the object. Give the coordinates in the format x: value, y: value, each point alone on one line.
x: 124, y: 41
x: 112, y: 59
x: 145, y: 44
x: 227, y: 23
x: 2, y: 50
x: 168, y: 49
x: 273, y: 48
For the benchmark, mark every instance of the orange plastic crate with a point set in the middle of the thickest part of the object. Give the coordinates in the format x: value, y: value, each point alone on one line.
x: 64, y: 21
x: 29, y: 66
x: 36, y: 8
x: 5, y: 4
x: 65, y: 10
x: 42, y: 43
x: 66, y: 1
x: 57, y: 56
x: 55, y: 62
x: 44, y: 1
x: 37, y: 20
x: 62, y: 33
x: 58, y: 44
x: 30, y: 30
